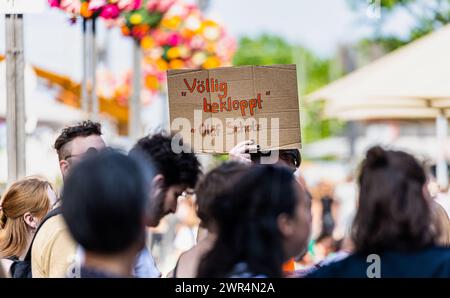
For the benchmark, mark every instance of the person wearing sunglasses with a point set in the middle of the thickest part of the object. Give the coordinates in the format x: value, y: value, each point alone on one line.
x: 74, y: 142
x: 53, y: 249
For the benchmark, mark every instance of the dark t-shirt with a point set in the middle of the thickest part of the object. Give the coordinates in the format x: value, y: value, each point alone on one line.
x: 86, y: 272
x: 429, y: 262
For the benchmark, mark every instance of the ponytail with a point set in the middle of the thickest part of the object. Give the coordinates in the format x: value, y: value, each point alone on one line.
x: 3, y: 219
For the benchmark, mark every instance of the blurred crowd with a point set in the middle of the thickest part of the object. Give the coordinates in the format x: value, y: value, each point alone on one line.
x: 156, y: 212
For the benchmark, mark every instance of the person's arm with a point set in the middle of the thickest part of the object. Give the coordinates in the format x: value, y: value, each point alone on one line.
x: 5, y: 266
x: 241, y: 152
x: 145, y: 265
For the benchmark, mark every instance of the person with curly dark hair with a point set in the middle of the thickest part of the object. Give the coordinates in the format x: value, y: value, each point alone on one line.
x: 175, y: 173
x: 393, y: 233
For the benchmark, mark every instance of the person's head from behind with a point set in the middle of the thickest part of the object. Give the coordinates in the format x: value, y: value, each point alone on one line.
x: 104, y: 204
x: 290, y: 158
x: 214, y: 184
x: 175, y: 172
x: 74, y: 141
x: 394, y: 212
x: 263, y: 221
x: 23, y: 206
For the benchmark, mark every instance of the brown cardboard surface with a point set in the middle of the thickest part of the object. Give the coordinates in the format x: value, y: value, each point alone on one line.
x: 223, y: 96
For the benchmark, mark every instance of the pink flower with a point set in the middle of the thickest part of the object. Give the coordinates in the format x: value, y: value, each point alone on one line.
x: 137, y: 4
x: 71, y: 6
x: 174, y: 39
x: 191, y: 7
x: 197, y: 42
x: 53, y: 3
x: 164, y: 5
x: 110, y: 11
x: 96, y: 4
x: 129, y: 4
x: 152, y: 5
x: 159, y: 5
x: 125, y: 4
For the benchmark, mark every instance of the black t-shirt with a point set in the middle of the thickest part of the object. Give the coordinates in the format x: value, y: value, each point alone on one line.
x: 429, y: 262
x: 86, y: 272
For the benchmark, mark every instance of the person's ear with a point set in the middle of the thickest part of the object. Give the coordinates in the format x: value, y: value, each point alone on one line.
x: 157, y: 185
x: 426, y: 192
x: 30, y: 220
x: 158, y: 181
x: 64, y: 166
x: 285, y: 225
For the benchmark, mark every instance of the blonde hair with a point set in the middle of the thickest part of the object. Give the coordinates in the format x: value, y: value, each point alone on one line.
x: 27, y: 195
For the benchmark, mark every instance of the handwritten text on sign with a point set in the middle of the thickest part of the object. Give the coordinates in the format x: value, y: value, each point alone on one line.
x: 225, y: 104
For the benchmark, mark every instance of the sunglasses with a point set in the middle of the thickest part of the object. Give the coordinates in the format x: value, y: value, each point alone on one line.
x: 89, y: 152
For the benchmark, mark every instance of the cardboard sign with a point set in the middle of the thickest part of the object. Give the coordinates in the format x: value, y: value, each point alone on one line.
x: 215, y: 109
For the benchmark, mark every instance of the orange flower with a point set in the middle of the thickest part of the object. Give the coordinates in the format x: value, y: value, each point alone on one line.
x: 147, y: 43
x: 211, y: 62
x: 176, y: 64
x: 173, y: 53
x: 171, y: 23
x: 125, y: 30
x: 151, y: 82
x: 210, y: 23
x: 84, y: 10
x: 162, y: 65
x: 187, y: 33
x: 145, y: 28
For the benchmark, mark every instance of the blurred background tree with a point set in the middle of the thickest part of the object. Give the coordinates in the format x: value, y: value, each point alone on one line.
x: 427, y: 16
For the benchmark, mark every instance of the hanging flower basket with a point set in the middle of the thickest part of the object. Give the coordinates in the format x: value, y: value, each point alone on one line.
x: 185, y: 38
x: 92, y: 9
x: 140, y: 21
x: 172, y: 35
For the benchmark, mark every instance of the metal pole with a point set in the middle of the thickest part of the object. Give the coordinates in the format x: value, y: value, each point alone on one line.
x: 95, y: 105
x: 15, y: 97
x: 134, y: 106
x: 84, y: 89
x: 165, y: 125
x: 203, y: 4
x: 441, y: 162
